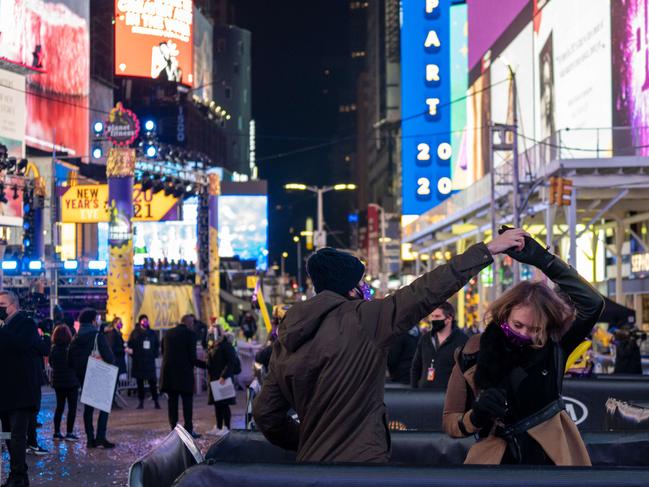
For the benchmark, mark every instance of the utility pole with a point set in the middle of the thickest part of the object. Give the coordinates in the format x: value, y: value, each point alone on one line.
x: 296, y: 239
x: 54, y: 287
x: 318, y: 242
x: 515, y: 172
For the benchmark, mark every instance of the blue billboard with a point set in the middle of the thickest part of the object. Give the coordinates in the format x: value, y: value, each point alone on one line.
x: 425, y: 104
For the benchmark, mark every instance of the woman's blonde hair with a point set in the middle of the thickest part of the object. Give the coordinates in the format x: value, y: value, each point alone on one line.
x: 552, y: 314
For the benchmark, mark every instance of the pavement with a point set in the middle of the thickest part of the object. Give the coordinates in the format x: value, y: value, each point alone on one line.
x: 134, y: 431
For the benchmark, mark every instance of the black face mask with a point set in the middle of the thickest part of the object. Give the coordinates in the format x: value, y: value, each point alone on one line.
x: 3, y: 313
x: 437, y: 325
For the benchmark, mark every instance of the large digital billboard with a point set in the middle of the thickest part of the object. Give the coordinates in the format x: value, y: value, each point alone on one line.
x: 51, y: 40
x: 12, y: 112
x: 203, y: 56
x: 154, y: 39
x: 554, y: 60
x: 461, y: 170
x: 425, y: 105
x: 243, y: 228
x: 630, y: 55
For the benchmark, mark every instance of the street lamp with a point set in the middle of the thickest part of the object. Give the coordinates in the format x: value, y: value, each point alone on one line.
x: 320, y: 239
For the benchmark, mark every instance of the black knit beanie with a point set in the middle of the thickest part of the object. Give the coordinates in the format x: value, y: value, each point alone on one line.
x: 332, y: 270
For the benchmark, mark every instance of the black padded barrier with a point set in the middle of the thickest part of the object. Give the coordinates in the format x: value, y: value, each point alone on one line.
x: 423, y: 449
x: 422, y: 409
x: 278, y: 475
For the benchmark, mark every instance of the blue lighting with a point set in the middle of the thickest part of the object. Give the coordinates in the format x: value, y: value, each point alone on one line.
x: 97, y: 152
x: 425, y: 106
x: 352, y: 218
x: 149, y: 125
x: 97, y: 265
x: 151, y: 151
x: 98, y: 127
x: 70, y: 265
x: 35, y: 265
x: 9, y: 265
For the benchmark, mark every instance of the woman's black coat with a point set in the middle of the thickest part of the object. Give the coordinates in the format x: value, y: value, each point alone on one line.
x: 143, y: 358
x: 116, y: 344
x: 221, y: 363
x: 63, y: 376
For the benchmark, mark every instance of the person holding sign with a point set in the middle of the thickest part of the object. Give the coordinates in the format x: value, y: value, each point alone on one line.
x: 222, y: 365
x: 143, y: 344
x: 83, y: 344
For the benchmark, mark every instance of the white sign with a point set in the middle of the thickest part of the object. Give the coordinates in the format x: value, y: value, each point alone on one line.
x: 320, y: 239
x: 223, y: 391
x: 99, y: 384
x: 12, y: 112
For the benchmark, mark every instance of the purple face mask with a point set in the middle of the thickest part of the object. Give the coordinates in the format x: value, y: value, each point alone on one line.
x: 365, y: 290
x: 515, y: 338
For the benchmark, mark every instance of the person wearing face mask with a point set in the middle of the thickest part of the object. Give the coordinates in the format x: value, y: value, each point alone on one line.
x: 434, y: 357
x: 144, y: 345
x: 19, y: 382
x: 329, y: 361
x: 506, y: 383
x: 81, y: 348
x: 113, y: 334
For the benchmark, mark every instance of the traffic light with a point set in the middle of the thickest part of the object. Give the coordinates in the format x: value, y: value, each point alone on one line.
x: 560, y: 191
x: 564, y: 192
x: 553, y: 191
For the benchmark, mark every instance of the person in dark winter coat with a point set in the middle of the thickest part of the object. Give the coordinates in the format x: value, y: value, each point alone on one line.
x: 330, y: 359
x: 64, y: 382
x: 248, y: 325
x: 41, y: 350
x: 435, y: 355
x: 19, y: 381
x: 113, y: 335
x: 144, y: 346
x: 221, y: 365
x: 506, y: 385
x: 177, y: 373
x: 401, y: 354
x: 80, y: 350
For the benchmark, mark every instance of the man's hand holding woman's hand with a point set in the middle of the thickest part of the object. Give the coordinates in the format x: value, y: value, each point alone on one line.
x: 513, y: 239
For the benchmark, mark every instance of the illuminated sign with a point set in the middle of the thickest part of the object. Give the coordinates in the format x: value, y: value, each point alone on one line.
x: 122, y: 126
x: 89, y: 204
x: 640, y: 263
x: 153, y: 39
x: 425, y: 102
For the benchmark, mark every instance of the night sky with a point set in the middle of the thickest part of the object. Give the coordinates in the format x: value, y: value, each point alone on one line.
x: 295, y: 106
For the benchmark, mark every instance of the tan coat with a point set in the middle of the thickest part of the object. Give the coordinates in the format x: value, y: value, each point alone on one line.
x: 559, y: 436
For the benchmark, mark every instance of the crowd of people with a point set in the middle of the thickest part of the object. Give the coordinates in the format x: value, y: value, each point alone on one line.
x: 24, y: 346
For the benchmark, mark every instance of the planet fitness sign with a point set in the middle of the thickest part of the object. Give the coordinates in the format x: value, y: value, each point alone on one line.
x: 122, y: 126
x: 425, y: 101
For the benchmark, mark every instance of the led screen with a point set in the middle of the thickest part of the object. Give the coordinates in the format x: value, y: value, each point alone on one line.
x: 461, y: 171
x: 563, y: 108
x: 154, y: 39
x: 243, y: 228
x: 52, y: 40
x: 12, y: 112
x: 203, y: 56
x: 630, y: 55
x: 171, y: 240
x: 425, y: 105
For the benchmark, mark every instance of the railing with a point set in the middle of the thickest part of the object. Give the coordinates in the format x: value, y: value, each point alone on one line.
x: 580, y: 143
